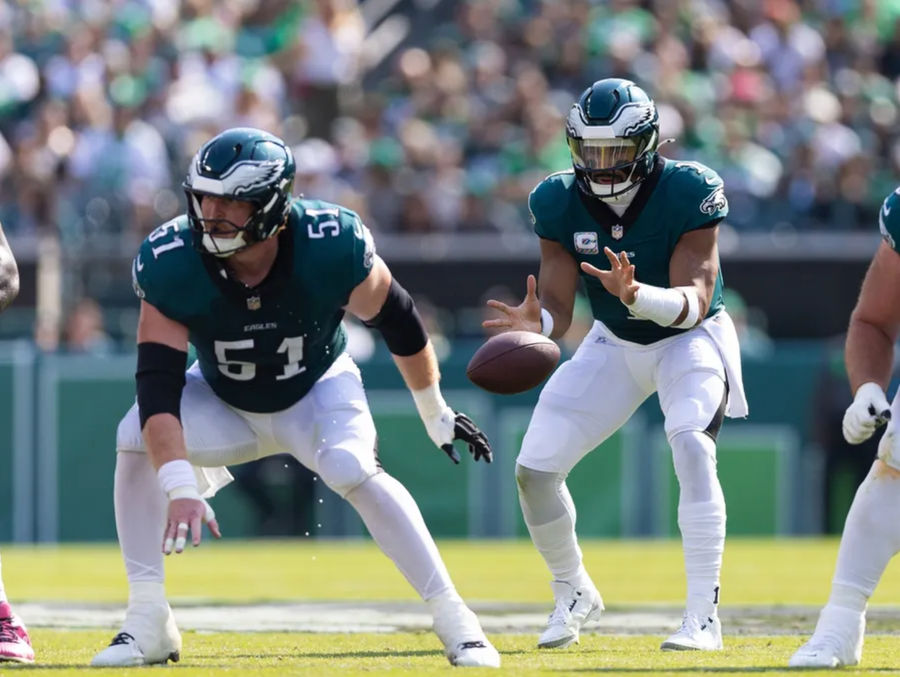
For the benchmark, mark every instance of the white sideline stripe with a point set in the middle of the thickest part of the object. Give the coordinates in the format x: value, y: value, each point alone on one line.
x: 405, y: 616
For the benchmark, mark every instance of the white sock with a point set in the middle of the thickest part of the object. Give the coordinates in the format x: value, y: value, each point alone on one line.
x: 140, y: 522
x: 703, y: 538
x: 393, y: 518
x: 701, y: 518
x: 549, y: 514
x: 557, y: 543
x: 871, y: 538
x: 2, y: 589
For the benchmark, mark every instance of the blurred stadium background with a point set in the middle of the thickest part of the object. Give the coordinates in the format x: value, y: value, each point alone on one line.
x: 434, y: 119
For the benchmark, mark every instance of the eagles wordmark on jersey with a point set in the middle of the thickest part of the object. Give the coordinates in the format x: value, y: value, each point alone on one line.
x: 261, y: 349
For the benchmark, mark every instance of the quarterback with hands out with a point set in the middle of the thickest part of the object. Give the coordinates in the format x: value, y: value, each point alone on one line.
x: 639, y: 231
x: 871, y: 534
x: 258, y: 282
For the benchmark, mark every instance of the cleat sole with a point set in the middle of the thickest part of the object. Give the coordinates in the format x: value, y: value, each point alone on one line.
x: 560, y: 643
x: 672, y: 646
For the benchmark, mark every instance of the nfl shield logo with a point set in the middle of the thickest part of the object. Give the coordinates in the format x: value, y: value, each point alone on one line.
x: 617, y: 232
x: 254, y: 302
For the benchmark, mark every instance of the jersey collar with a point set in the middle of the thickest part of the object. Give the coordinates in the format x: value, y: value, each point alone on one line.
x: 607, y: 218
x: 273, y: 283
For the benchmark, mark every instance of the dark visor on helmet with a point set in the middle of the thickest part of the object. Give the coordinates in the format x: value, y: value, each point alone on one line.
x: 606, y: 160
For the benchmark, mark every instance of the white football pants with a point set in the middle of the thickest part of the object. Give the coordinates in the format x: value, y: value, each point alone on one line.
x: 330, y: 431
x: 590, y: 397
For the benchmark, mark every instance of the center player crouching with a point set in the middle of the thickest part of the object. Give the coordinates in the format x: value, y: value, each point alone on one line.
x: 261, y: 296
x: 668, y: 332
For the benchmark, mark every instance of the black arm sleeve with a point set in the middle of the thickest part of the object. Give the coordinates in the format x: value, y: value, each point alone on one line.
x: 159, y: 379
x: 399, y: 323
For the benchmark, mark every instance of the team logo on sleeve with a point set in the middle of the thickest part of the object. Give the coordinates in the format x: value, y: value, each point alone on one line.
x: 885, y: 233
x: 136, y: 265
x: 715, y: 201
x: 586, y: 243
x: 369, y: 252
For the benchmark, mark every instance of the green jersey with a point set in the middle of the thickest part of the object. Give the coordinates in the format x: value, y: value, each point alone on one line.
x: 261, y: 349
x: 889, y: 220
x: 675, y: 198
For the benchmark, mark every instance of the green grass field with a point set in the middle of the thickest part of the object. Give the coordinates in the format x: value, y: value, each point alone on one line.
x: 761, y: 579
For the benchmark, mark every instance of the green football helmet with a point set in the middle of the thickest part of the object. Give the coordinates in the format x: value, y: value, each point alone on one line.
x: 240, y: 164
x: 613, y: 134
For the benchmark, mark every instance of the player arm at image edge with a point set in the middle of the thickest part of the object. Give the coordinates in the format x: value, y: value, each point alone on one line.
x: 875, y: 322
x: 9, y: 273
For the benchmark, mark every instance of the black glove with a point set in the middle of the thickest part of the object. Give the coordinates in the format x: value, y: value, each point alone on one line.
x: 466, y: 430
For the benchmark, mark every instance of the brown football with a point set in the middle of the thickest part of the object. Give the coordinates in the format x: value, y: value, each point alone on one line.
x: 513, y: 362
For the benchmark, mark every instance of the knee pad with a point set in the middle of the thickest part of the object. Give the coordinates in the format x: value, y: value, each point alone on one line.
x: 696, y: 403
x: 128, y: 434
x: 342, y: 470
x: 694, y: 458
x: 540, y: 495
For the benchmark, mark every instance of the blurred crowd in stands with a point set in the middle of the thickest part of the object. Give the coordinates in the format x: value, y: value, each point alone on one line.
x: 103, y: 102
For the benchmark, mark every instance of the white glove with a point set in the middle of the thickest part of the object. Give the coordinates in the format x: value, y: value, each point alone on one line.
x: 869, y: 410
x: 440, y: 426
x: 436, y: 414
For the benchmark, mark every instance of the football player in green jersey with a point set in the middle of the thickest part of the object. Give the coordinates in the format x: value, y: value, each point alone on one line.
x: 15, y: 645
x: 261, y: 295
x: 872, y: 531
x: 639, y: 231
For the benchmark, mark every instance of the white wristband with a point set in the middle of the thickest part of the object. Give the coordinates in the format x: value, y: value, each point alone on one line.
x: 657, y: 304
x: 429, y: 401
x: 176, y: 474
x: 546, y: 322
x: 693, y: 313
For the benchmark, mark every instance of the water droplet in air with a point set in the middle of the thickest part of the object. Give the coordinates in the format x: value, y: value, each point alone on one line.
x: 319, y: 526
x: 321, y: 501
x: 306, y: 533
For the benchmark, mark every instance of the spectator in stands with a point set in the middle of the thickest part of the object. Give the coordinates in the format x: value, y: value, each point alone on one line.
x: 329, y: 46
x: 85, y: 332
x: 100, y: 105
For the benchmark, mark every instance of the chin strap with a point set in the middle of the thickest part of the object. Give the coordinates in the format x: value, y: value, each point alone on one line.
x: 223, y: 247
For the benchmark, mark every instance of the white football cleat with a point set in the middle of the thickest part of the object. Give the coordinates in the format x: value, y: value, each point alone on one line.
x: 149, y: 635
x: 574, y: 608
x: 837, y: 641
x: 696, y: 634
x: 465, y: 643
